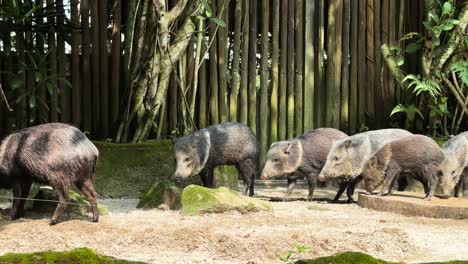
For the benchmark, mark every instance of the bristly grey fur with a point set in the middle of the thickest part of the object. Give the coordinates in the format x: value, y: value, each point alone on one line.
x: 454, y: 168
x: 56, y: 154
x: 222, y: 144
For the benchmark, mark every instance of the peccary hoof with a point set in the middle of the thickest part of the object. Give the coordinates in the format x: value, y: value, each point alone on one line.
x: 53, y: 222
x: 427, y: 198
x: 95, y: 220
x: 350, y: 200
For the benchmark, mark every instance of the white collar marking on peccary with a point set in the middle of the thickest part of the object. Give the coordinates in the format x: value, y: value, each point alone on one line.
x: 206, y: 135
x: 298, y: 160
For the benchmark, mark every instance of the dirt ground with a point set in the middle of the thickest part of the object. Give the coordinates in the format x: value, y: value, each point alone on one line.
x: 167, y: 237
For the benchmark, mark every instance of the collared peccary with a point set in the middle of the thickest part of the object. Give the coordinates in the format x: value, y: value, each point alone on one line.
x: 222, y: 144
x: 55, y: 154
x: 348, y: 156
x: 301, y: 157
x: 416, y: 154
x: 454, y: 170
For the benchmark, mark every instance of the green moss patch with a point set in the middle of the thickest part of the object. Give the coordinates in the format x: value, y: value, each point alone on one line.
x: 164, y: 192
x: 226, y: 176
x: 345, y: 258
x: 126, y: 170
x: 199, y: 200
x: 82, y: 255
x: 357, y: 257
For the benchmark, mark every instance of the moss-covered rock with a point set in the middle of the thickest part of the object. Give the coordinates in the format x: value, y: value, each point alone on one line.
x: 126, y: 170
x: 82, y: 255
x: 345, y: 258
x: 164, y: 192
x: 199, y: 200
x: 47, y: 193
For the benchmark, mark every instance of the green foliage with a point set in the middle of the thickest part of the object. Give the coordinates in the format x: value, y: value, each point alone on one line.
x: 345, y: 258
x: 294, y: 254
x: 419, y: 85
x: 81, y: 255
x: 461, y: 69
x: 37, y: 64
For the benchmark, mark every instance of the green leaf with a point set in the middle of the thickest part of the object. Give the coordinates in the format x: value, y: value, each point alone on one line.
x: 434, y: 16
x: 207, y: 7
x: 32, y: 102
x: 398, y: 109
x: 201, y: 17
x: 413, y: 47
x: 218, y: 22
x: 17, y: 84
x: 400, y: 60
x: 448, y: 24
x: 447, y: 8
x: 394, y: 48
x: 38, y: 76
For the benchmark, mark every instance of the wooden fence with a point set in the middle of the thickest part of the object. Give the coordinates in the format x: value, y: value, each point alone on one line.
x: 281, y: 66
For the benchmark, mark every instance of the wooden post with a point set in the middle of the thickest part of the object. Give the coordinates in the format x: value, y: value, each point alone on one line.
x: 95, y: 69
x: 320, y: 96
x: 222, y: 60
x: 104, y: 68
x: 337, y: 63
x: 86, y: 66
x: 244, y: 63
x: 115, y: 66
x: 253, y: 67
x: 309, y: 65
x: 75, y: 66
x: 344, y: 120
x: 330, y: 80
x: 370, y: 59
x: 362, y: 64
x: 214, y: 70
x: 264, y: 74
x: 274, y: 71
x: 299, y: 74
x: 353, y: 105
x: 282, y: 125
x: 291, y: 68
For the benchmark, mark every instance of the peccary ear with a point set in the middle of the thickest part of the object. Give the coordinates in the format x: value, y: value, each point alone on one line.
x: 288, y: 147
x: 348, y: 143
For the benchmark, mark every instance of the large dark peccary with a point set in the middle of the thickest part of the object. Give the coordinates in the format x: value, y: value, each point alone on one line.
x: 55, y: 154
x: 454, y: 168
x: 303, y: 157
x: 416, y: 154
x: 348, y: 156
x: 222, y: 144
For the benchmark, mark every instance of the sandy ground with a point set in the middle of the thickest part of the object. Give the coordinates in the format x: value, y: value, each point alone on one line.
x: 167, y: 237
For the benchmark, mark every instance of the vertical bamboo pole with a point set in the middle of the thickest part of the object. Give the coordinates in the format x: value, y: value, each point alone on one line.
x: 291, y: 68
x: 391, y: 41
x: 42, y: 111
x: 52, y: 62
x: 385, y: 37
x: 244, y: 63
x: 75, y: 66
x: 104, y: 68
x: 253, y: 67
x: 21, y: 110
x: 309, y: 65
x: 299, y: 74
x: 173, y: 99
x: 330, y: 80
x: 337, y: 63
x: 30, y: 79
x: 370, y: 58
x: 95, y: 69
x: 65, y: 115
x: 378, y: 95
x: 264, y: 79
x: 274, y: 71
x: 320, y: 93
x: 222, y: 60
x: 203, y: 111
x: 235, y: 61
x: 353, y: 104
x: 344, y: 120
x: 115, y: 65
x: 362, y: 64
x: 214, y: 71
x: 282, y: 124
x: 86, y: 66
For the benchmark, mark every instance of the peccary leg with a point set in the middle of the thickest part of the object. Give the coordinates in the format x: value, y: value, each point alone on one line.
x: 87, y: 188
x: 207, y: 177
x: 19, y: 191
x: 291, y: 185
x: 312, y: 179
x: 351, y: 187
x: 64, y: 199
x: 464, y: 183
x: 433, y: 180
x: 457, y: 189
x: 393, y: 170
x: 247, y: 169
x: 342, y: 187
x: 402, y: 183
